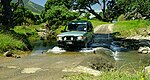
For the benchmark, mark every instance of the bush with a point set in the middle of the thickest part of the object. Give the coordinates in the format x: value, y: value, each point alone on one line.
x: 8, y: 42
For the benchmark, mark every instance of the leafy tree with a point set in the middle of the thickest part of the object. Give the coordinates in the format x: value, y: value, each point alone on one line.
x: 131, y: 8
x: 7, y: 12
x: 86, y: 4
x: 57, y: 12
x: 0, y: 13
x: 23, y: 15
x: 66, y: 3
x: 59, y: 15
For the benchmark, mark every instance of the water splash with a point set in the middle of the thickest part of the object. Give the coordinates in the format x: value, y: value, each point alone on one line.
x: 116, y: 55
x: 56, y: 50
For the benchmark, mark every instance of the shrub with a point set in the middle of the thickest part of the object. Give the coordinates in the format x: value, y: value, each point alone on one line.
x: 8, y: 42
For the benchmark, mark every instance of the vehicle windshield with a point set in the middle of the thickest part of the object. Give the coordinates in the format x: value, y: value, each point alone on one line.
x: 77, y: 27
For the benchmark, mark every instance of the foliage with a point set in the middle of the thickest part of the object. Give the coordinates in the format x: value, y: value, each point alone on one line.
x: 66, y: 3
x: 87, y: 15
x: 16, y: 14
x: 111, y: 75
x: 23, y: 16
x: 9, y: 42
x: 29, y: 31
x: 131, y: 8
x: 57, y: 13
x: 86, y: 5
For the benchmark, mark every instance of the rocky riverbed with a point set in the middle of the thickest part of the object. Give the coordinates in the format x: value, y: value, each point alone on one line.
x: 142, y: 43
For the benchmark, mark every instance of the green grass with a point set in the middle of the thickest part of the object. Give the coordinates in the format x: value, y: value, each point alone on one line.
x: 58, y: 31
x: 97, y: 22
x: 29, y: 31
x: 112, y: 75
x: 9, y: 42
x: 132, y: 28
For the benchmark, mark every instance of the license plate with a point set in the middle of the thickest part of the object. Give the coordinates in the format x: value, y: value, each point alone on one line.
x: 69, y: 42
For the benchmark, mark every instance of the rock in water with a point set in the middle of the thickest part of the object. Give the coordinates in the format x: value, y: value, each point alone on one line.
x: 8, y: 54
x: 144, y: 50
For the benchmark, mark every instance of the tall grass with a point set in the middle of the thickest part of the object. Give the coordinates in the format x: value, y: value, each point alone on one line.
x: 8, y: 42
x: 29, y: 31
x: 111, y: 75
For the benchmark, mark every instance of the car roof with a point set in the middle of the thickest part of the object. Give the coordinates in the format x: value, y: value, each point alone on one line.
x: 80, y: 22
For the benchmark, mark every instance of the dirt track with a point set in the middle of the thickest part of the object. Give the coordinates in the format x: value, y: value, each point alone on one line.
x: 48, y: 66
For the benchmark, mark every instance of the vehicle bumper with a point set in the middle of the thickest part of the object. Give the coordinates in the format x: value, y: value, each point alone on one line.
x: 66, y: 44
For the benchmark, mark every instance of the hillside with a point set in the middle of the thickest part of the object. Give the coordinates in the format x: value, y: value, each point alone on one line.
x: 35, y: 8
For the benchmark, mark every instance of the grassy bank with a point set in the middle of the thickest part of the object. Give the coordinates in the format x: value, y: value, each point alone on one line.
x: 97, y: 22
x: 29, y: 31
x: 22, y: 38
x: 132, y: 28
x: 112, y: 75
x: 9, y: 42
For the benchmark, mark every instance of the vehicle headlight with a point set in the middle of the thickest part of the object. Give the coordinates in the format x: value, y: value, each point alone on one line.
x: 81, y: 38
x: 60, y: 38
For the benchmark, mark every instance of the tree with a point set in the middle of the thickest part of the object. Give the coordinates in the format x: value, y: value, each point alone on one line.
x: 132, y: 8
x: 57, y: 12
x: 86, y: 4
x: 23, y: 16
x: 66, y: 3
x: 7, y: 12
x: 59, y: 15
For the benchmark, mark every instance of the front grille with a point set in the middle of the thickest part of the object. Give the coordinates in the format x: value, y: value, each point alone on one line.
x: 69, y: 38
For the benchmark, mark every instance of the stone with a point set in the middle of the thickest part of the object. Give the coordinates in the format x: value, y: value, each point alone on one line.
x: 8, y: 54
x: 144, y: 50
x: 82, y: 69
x: 147, y: 70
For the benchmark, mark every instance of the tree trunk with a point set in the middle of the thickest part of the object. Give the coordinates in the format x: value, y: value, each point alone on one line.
x: 104, y: 5
x: 6, y: 13
x: 90, y: 10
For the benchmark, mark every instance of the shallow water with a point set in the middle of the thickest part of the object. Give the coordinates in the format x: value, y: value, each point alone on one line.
x: 131, y: 59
